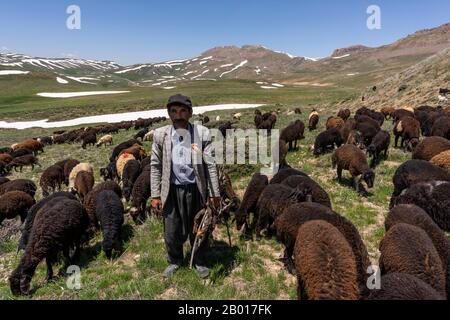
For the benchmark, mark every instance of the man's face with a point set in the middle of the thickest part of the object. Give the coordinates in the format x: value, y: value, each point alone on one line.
x: 180, y: 115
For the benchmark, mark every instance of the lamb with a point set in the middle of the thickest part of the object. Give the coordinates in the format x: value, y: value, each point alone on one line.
x: 442, y: 160
x: 403, y: 286
x: 408, y: 249
x: 318, y: 194
x: 430, y: 147
x: 409, y: 130
x: 121, y: 162
x: 441, y: 127
x: 78, y: 168
x: 13, y: 204
x: 254, y: 189
x: 292, y: 133
x: 24, y: 161
x: 51, y: 179
x: 325, y: 263
x: 413, y: 215
x: 124, y: 145
x: 344, y: 114
x: 380, y: 143
x: 433, y: 197
x: 272, y: 201
x: 131, y: 172
x: 288, y: 223
x: 24, y: 185
x: 313, y: 120
x: 416, y: 171
x: 351, y: 158
x: 140, y: 195
x: 32, y: 214
x: 109, y: 211
x: 57, y: 228
x: 84, y: 182
x: 89, y: 202
x: 105, y: 140
x: 327, y: 140
x: 387, y: 112
x: 334, y: 122
x: 285, y: 173
x: 30, y: 144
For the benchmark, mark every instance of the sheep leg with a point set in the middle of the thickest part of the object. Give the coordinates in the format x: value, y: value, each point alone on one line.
x: 396, y: 141
x: 49, y: 276
x: 339, y: 173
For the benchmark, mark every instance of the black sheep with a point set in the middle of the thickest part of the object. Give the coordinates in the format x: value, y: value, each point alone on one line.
x: 141, y: 134
x: 433, y: 197
x: 109, y: 172
x: 285, y: 173
x: 367, y: 131
x: 109, y: 212
x: 380, y: 143
x: 32, y: 214
x: 292, y: 133
x: 21, y: 152
x: 89, y: 139
x: 318, y: 194
x: 327, y: 140
x: 441, y: 127
x: 408, y: 249
x: 140, y: 195
x: 131, y: 172
x: 57, y: 228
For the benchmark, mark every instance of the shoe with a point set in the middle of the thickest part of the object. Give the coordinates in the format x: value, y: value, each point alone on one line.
x: 203, y: 272
x: 170, y: 270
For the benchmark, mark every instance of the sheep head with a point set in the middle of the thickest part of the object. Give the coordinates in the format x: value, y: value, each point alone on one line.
x: 369, y: 178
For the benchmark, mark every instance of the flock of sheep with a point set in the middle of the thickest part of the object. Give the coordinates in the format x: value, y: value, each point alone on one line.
x: 322, y: 248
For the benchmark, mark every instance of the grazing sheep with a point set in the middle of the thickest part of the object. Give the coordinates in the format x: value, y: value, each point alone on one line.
x: 348, y: 127
x: 21, y: 152
x: 430, y: 147
x: 32, y: 214
x: 313, y: 120
x: 109, y: 211
x: 105, y: 140
x: 140, y: 195
x: 409, y: 130
x: 285, y: 173
x: 292, y: 133
x: 45, y: 140
x: 412, y: 214
x: 55, y: 229
x: 344, y: 114
x: 325, y: 263
x: 6, y: 158
x: 237, y: 116
x: 433, y: 197
x: 416, y: 171
x: 403, y: 286
x: 408, y: 249
x: 271, y: 203
x: 269, y: 123
x: 78, y: 168
x: 13, y: 204
x: 442, y: 160
x: 109, y: 172
x: 327, y: 140
x: 254, y: 189
x: 224, y: 127
x: 399, y: 114
x: 137, y: 151
x: 380, y: 143
x: 68, y: 166
x: 318, y: 194
x: 24, y: 185
x: 334, y: 122
x: 131, y: 172
x: 441, y: 127
x: 121, y: 162
x: 387, y: 112
x: 294, y: 216
x: 367, y: 132
x: 51, y: 179
x: 24, y: 161
x: 351, y: 158
x: 89, y: 139
x: 141, y: 134
x: 84, y: 182
x: 30, y: 144
x: 366, y: 119
x: 91, y: 198
x: 124, y: 145
x: 298, y: 111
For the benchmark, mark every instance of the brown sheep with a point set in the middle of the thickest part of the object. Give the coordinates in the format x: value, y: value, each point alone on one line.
x: 351, y: 158
x: 6, y: 158
x: 348, y: 127
x: 136, y: 150
x: 84, y: 182
x: 285, y: 173
x: 313, y: 120
x: 30, y: 144
x: 24, y: 185
x: 325, y: 263
x: 442, y: 160
x: 388, y: 112
x: 408, y: 249
x: 409, y: 130
x: 318, y: 194
x: 441, y: 127
x: 68, y: 167
x: 24, y: 161
x: 344, y: 114
x: 334, y: 122
x: 399, y: 114
x: 15, y: 203
x: 430, y: 147
x: 292, y: 133
x: 51, y: 179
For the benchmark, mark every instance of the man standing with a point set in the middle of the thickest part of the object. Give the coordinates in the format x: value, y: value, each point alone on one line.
x: 183, y: 179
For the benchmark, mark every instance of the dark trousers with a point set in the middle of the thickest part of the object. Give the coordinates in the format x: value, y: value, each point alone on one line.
x: 182, y: 204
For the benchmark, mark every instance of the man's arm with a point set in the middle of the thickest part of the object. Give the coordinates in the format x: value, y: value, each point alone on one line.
x: 156, y: 167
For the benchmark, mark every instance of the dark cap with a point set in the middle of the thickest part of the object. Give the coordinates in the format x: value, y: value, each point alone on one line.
x: 179, y: 99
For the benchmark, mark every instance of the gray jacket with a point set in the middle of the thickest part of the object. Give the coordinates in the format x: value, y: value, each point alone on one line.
x: 202, y: 159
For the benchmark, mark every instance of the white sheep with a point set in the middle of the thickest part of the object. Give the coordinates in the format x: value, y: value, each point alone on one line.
x: 78, y: 168
x: 108, y: 139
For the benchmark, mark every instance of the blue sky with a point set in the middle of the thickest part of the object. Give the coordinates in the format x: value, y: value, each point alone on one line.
x: 143, y: 31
